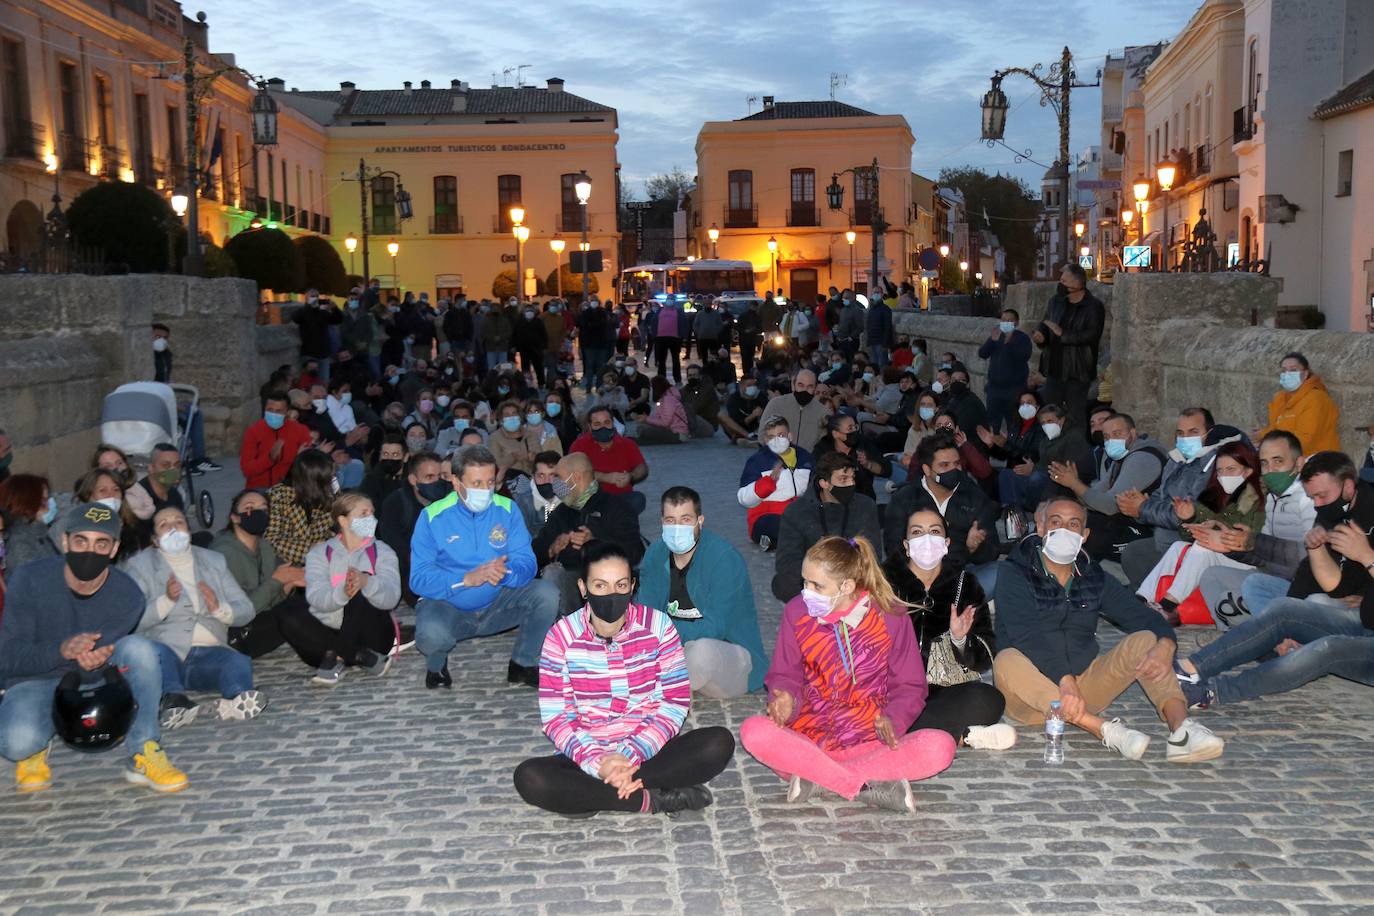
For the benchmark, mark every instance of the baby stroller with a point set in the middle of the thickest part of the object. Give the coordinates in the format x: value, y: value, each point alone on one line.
x: 139, y: 415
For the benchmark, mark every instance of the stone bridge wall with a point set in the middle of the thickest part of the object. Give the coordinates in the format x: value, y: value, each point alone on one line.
x: 66, y: 341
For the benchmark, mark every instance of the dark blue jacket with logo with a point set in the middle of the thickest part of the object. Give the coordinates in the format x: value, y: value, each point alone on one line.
x: 450, y: 540
x: 1056, y: 628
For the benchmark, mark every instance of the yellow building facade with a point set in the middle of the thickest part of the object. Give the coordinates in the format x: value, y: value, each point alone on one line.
x: 90, y: 95
x: 466, y: 157
x: 765, y: 177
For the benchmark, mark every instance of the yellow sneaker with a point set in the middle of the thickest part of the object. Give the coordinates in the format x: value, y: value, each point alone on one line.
x: 32, y: 773
x: 152, y: 769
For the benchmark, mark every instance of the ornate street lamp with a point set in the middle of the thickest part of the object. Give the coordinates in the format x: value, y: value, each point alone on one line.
x: 944, y: 251
x: 1141, y: 188
x: 849, y: 237
x: 994, y: 111
x: 714, y: 234
x: 179, y: 202
x: 1165, y: 173
x: 264, y: 111
x: 522, y: 235
x: 773, y: 260
x: 351, y: 243
x: 557, y: 244
x: 1078, y: 229
x: 393, y: 248
x: 582, y: 187
x: 835, y: 197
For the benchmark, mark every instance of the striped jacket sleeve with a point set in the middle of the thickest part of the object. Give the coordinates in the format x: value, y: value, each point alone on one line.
x: 661, y: 716
x: 557, y: 709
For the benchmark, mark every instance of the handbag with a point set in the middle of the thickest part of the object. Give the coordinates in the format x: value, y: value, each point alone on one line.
x: 1193, y: 608
x: 943, y: 668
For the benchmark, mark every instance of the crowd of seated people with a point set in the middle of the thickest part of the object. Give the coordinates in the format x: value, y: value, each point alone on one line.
x: 938, y: 556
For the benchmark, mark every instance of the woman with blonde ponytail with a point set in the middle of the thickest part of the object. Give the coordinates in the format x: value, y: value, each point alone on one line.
x: 845, y: 684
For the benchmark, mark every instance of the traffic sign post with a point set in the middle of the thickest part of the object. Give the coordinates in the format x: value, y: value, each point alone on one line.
x: 1137, y: 256
x: 1085, y: 261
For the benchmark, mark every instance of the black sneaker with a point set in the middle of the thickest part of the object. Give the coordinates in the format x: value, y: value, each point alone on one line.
x: 175, y: 710
x: 438, y: 678
x: 195, y: 471
x: 671, y: 801
x: 1199, y: 695
x: 519, y: 674
x: 373, y: 662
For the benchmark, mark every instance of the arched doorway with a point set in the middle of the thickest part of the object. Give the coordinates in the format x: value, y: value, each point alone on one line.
x: 24, y: 230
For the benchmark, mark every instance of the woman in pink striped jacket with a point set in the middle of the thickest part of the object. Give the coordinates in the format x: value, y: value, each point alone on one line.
x: 613, y: 694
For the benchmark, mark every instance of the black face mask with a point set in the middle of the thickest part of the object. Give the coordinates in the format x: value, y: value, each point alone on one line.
x: 254, y: 522
x: 950, y: 479
x: 545, y: 490
x: 390, y: 466
x: 843, y: 494
x: 87, y: 565
x: 609, y: 608
x: 435, y: 490
x: 1097, y: 438
x: 1332, y: 514
x: 604, y: 434
x: 803, y: 397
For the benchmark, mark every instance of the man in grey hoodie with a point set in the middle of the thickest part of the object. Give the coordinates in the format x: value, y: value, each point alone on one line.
x: 1130, y: 462
x: 1196, y: 440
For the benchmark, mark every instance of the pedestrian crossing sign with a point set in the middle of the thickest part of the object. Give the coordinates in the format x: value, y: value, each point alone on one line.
x: 1085, y: 261
x: 1136, y: 256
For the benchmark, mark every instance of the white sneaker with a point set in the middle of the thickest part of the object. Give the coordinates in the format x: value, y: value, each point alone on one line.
x: 1194, y: 744
x: 799, y: 790
x: 1127, y: 742
x: 996, y: 737
x: 247, y: 705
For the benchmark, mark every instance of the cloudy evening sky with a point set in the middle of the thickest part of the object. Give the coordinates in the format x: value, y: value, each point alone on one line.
x: 669, y: 68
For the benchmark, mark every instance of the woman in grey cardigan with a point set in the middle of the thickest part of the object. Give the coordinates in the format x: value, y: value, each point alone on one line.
x: 352, y: 583
x: 192, y: 600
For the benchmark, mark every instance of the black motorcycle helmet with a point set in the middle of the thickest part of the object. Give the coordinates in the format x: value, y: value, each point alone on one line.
x: 93, y: 710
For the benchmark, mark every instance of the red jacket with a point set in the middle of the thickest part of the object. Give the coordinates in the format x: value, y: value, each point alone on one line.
x: 259, y: 470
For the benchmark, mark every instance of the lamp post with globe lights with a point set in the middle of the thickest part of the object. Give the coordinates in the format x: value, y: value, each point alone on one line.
x: 582, y: 187
x: 714, y: 234
x: 557, y: 245
x: 1165, y: 173
x: 868, y: 174
x: 351, y: 243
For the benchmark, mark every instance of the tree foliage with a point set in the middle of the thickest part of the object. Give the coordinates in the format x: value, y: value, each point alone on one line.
x: 572, y: 284
x: 217, y: 262
x: 324, y: 269
x: 671, y: 185
x: 268, y: 257
x: 503, y: 287
x: 1011, y: 210
x: 129, y: 222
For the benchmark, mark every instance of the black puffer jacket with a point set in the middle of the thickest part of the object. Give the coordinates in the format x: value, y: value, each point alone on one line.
x: 1072, y: 356
x: 967, y: 505
x: 929, y: 609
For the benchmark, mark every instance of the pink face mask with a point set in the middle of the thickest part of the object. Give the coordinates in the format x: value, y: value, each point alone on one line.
x: 927, y: 550
x: 825, y: 609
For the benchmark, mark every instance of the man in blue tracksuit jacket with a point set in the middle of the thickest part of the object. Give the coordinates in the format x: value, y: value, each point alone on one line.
x: 472, y: 566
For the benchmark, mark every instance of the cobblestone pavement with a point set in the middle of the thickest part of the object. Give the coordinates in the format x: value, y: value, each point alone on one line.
x: 380, y: 796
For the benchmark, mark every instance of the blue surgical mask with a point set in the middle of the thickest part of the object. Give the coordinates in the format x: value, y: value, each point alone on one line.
x: 927, y: 413
x: 503, y: 389
x: 346, y: 398
x: 534, y: 419
x: 274, y: 420
x: 553, y: 408
x: 511, y: 424
x: 1115, y: 448
x: 51, y: 515
x: 868, y: 378
x: 1290, y: 381
x: 461, y: 423
x: 679, y: 538
x: 751, y: 392
x: 476, y: 500
x: 1006, y: 327
x: 1188, y: 446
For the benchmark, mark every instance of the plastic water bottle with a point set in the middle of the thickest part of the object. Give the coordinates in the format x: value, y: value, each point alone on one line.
x: 1054, y: 735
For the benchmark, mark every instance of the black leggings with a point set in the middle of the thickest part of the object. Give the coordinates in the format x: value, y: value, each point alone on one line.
x: 1109, y: 533
x: 363, y: 627
x: 954, y: 709
x: 262, y: 634
x: 690, y: 759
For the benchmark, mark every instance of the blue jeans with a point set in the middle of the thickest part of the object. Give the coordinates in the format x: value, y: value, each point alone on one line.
x: 1261, y: 588
x: 206, y: 668
x: 26, y: 712
x: 986, y: 574
x: 1333, y: 642
x: 1018, y: 491
x: 495, y: 358
x: 533, y: 607
x: 1002, y: 404
x: 878, y: 355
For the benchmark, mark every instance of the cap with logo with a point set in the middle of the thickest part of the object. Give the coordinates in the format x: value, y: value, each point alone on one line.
x: 93, y: 517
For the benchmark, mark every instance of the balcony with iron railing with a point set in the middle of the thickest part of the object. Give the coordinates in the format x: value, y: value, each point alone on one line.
x: 803, y: 214
x: 24, y: 140
x: 446, y: 224
x: 741, y: 217
x: 74, y: 152
x: 111, y: 161
x: 1111, y: 114
x: 571, y: 220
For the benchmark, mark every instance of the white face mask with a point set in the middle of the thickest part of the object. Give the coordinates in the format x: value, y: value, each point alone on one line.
x: 937, y: 387
x: 779, y: 445
x: 476, y: 500
x: 175, y: 541
x: 1062, y: 546
x: 112, y: 502
x: 1230, y: 484
x: 1027, y: 411
x: 1052, y: 430
x: 159, y: 344
x: 364, y: 526
x: 927, y: 550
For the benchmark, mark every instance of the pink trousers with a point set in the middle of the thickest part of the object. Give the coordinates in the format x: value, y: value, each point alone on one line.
x: 788, y: 753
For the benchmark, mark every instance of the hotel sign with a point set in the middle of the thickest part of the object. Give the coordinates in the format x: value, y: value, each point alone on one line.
x: 474, y: 148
